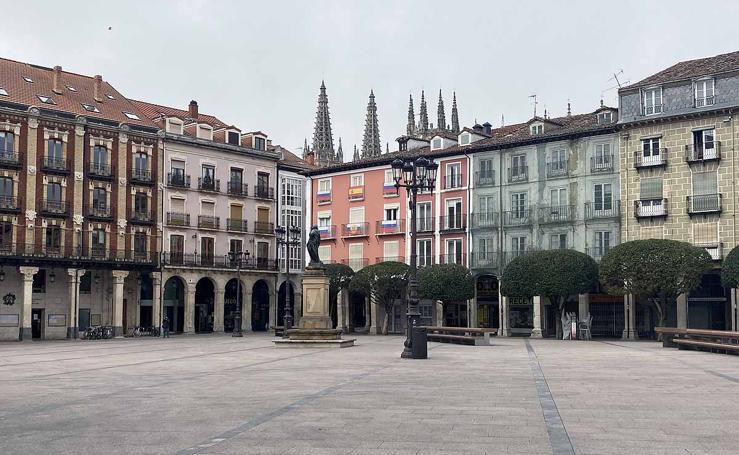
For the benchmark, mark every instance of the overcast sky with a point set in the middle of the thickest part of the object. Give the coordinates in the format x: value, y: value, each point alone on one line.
x: 259, y: 64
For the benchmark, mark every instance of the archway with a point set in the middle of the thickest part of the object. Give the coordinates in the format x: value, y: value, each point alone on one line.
x: 281, y: 300
x: 229, y: 306
x: 358, y: 310
x: 174, y: 303
x: 260, y: 306
x: 146, y: 299
x: 487, y: 301
x: 204, y: 304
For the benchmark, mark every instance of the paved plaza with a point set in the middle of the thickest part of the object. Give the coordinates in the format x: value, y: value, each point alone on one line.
x: 221, y: 395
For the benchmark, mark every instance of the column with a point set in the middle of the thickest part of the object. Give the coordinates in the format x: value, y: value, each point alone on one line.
x: 682, y: 311
x: 503, y: 330
x: 74, y: 301
x: 439, y: 313
x: 156, y: 303
x: 472, y: 306
x: 25, y: 332
x: 272, y: 310
x: 374, y: 310
x: 734, y: 315
x: 367, y: 314
x: 297, y: 308
x: 119, y: 277
x: 246, y: 311
x: 189, y: 325
x: 218, y: 310
x: 536, y: 331
x: 340, y: 313
x: 583, y: 305
x: 629, y: 332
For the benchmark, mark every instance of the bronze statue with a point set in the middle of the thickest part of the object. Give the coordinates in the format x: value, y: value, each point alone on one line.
x: 314, y: 241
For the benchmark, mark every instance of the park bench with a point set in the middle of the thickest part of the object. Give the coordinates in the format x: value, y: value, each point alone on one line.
x: 460, y: 335
x: 722, y: 341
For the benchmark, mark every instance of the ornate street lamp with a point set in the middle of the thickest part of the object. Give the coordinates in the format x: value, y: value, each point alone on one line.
x: 414, y: 175
x: 288, y: 237
x: 237, y: 257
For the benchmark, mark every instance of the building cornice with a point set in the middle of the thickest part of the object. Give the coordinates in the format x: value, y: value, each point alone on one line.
x: 222, y: 147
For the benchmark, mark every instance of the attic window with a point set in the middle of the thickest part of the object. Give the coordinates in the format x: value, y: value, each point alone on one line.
x: 131, y: 115
x: 28, y: 79
x: 45, y: 99
x: 464, y: 139
x: 537, y: 129
x: 259, y: 143
x: 90, y: 107
x: 110, y: 97
x: 605, y: 117
x: 436, y: 143
x: 3, y: 92
x: 71, y: 89
x: 232, y: 137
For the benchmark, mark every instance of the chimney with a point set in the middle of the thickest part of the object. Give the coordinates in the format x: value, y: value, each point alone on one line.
x: 193, y: 108
x: 310, y: 158
x: 477, y: 127
x: 57, y: 80
x: 487, y: 128
x: 97, y: 88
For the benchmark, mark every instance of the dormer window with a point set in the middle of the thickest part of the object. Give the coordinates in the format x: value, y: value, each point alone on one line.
x: 45, y: 99
x: 464, y: 139
x: 3, y: 92
x: 536, y: 129
x: 436, y: 143
x: 90, y: 107
x: 704, y: 93
x: 605, y: 118
x: 260, y: 143
x: 652, y: 101
x: 174, y: 126
x: 110, y: 97
x: 71, y: 89
x: 205, y: 132
x: 28, y: 79
x: 131, y: 115
x: 233, y: 137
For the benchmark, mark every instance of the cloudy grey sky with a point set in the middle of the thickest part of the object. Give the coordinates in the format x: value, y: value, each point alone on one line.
x: 259, y: 64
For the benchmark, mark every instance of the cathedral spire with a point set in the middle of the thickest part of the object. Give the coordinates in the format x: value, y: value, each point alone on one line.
x: 323, y: 142
x: 340, y: 153
x: 305, y: 148
x: 455, y: 114
x: 440, y: 116
x: 356, y: 153
x: 411, y: 118
x: 371, y: 142
x: 423, y: 116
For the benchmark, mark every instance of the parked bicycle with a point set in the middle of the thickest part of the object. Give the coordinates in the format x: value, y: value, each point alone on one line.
x: 97, y: 333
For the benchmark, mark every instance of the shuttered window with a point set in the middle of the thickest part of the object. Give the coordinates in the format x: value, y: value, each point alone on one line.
x: 705, y: 183
x: 651, y: 188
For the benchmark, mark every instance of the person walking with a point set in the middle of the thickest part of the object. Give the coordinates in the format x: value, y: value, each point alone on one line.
x: 165, y: 327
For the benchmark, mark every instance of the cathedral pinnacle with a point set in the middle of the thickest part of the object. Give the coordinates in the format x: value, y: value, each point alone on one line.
x: 411, y: 128
x: 440, y: 116
x: 323, y: 142
x: 371, y: 145
x: 455, y: 114
x: 423, y: 118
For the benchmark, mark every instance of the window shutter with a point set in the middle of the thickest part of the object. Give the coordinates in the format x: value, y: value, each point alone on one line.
x: 651, y: 188
x: 705, y: 183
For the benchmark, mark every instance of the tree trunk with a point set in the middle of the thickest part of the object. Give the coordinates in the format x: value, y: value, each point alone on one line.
x: 385, y: 323
x: 557, y: 314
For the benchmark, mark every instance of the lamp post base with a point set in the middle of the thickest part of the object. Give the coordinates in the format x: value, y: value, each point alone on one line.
x: 413, y: 321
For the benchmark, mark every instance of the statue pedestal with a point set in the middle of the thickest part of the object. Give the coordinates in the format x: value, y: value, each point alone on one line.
x: 315, y: 327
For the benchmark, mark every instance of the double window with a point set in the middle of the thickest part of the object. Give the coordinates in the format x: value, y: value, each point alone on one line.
x: 651, y: 151
x: 7, y: 144
x: 453, y: 175
x: 425, y: 256
x: 518, y: 205
x: 7, y: 199
x: 603, y: 159
x: 424, y: 220
x: 518, y: 168
x: 454, y: 251
x: 54, y: 154
x: 54, y: 196
x: 602, y: 197
x: 652, y: 101
x: 99, y: 159
x: 454, y: 214
x: 141, y: 165
x: 558, y: 241
x: 602, y: 242
x: 141, y: 205
x: 704, y: 144
x: 704, y: 93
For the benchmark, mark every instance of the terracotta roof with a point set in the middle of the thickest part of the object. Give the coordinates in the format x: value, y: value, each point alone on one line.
x: 76, y: 90
x: 693, y: 68
x: 291, y: 159
x: 154, y: 111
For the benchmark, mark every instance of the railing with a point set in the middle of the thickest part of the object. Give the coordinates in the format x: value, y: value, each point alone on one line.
x: 390, y: 227
x: 327, y: 232
x: 557, y: 169
x: 454, y: 222
x: 264, y: 192
x: 141, y: 216
x: 75, y: 253
x: 519, y: 217
x: 705, y: 101
x: 141, y: 175
x: 54, y: 164
x: 485, y: 178
x: 482, y: 220
x: 714, y: 249
x: 605, y: 209
x: 452, y: 259
x: 649, y: 161
x: 425, y: 224
x: 264, y: 227
x: 355, y: 229
x: 556, y: 214
x: 518, y: 174
x: 238, y: 189
x: 356, y: 263
x: 9, y: 203
x: 424, y: 261
x: 98, y: 211
x: 704, y: 203
x: 54, y: 207
x: 701, y: 153
x: 484, y: 260
x: 178, y: 219
x: 452, y: 181
x: 209, y: 222
x: 355, y: 193
x: 597, y: 252
x: 605, y: 164
x: 648, y: 208
x: 213, y: 261
x: 654, y: 109
x: 9, y: 158
x: 237, y: 224
x: 379, y: 259
x: 207, y: 184
x: 178, y: 180
x: 100, y: 170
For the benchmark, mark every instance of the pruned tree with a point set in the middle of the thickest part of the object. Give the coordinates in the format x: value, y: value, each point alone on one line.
x: 657, y: 269
x: 730, y: 269
x: 554, y: 274
x: 446, y: 282
x: 387, y: 281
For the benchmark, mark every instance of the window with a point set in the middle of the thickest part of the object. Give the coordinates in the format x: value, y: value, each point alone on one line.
x: 54, y: 196
x: 324, y: 252
x: 178, y: 171
x: 141, y: 164
x: 390, y: 251
x: 650, y: 191
x: 324, y: 222
x: 139, y: 243
x: 453, y: 175
x: 558, y: 242
x: 485, y: 174
x: 454, y: 252
x: 651, y: 151
x: 131, y: 115
x: 176, y: 248
x: 6, y: 192
x: 233, y: 137
x: 486, y: 211
x: 54, y: 155
x: 464, y: 139
x: 3, y: 92
x: 28, y: 79
x: 652, y: 101
x: 424, y: 220
x: 39, y: 282
x: 86, y: 283
x: 518, y: 167
x: 356, y: 253
x: 235, y: 245
x: 704, y: 93
x: 324, y: 186
x: 6, y: 236
x: 99, y: 199
x: 207, y: 208
x: 174, y: 126
x: 292, y: 192
x: 262, y: 181
x: 90, y: 107
x: 99, y: 157
x: 389, y: 180
x: 356, y: 215
x: 7, y: 144
x: 558, y: 197
x: 453, y: 214
x: 602, y: 242
x: 53, y: 240
x: 71, y: 89
x: 208, y: 174
x: 98, y: 242
x: 704, y: 145
x: 357, y: 180
x: 537, y: 129
x: 602, y: 197
x: 110, y: 97
x: 423, y: 250
x: 391, y: 213
x: 557, y: 164
x: 484, y: 248
x: 205, y: 132
x: 45, y: 99
x: 141, y: 204
x: 518, y: 244
x: 207, y: 250
x: 603, y: 159
x: 436, y: 143
x: 259, y: 143
x: 518, y: 205
x: 705, y: 184
x: 605, y: 118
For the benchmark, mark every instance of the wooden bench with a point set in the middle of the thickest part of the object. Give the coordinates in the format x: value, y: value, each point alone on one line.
x: 279, y: 330
x: 460, y: 335
x: 723, y: 341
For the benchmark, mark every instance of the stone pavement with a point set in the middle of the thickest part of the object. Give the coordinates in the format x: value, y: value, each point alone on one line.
x: 220, y: 395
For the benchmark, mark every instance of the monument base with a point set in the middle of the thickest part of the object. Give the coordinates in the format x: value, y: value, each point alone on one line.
x: 314, y: 338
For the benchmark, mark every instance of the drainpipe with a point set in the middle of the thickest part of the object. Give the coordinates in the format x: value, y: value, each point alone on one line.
x: 625, y: 207
x: 161, y: 176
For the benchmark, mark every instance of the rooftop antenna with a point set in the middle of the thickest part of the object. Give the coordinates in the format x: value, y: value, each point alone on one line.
x: 502, y: 120
x: 534, y: 97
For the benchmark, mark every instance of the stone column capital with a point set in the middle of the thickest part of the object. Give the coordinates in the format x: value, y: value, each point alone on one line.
x: 28, y: 272
x: 76, y: 272
x: 120, y: 275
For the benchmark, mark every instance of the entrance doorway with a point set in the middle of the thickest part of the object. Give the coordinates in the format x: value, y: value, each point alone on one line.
x: 281, y: 301
x: 174, y: 303
x: 487, y: 301
x: 146, y: 301
x: 229, y: 305
x: 358, y: 313
x: 260, y: 307
x: 84, y: 320
x: 37, y: 324
x: 204, y: 304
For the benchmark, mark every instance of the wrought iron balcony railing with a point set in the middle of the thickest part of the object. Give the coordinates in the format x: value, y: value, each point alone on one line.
x: 141, y: 175
x: 9, y: 159
x: 178, y: 219
x: 237, y: 188
x: 485, y: 178
x: 51, y: 164
x: 379, y: 259
x: 557, y: 169
x: 93, y: 254
x: 207, y: 184
x: 704, y: 203
x: 519, y: 217
x: 456, y: 222
x: 452, y: 181
x: 355, y: 229
x: 99, y: 210
x: 390, y: 227
x: 237, y: 224
x: 209, y: 260
x: 518, y: 174
x: 603, y: 209
x: 484, y: 260
x: 485, y: 220
x: 100, y: 170
x: 264, y: 227
x: 53, y: 207
x: 425, y: 224
x: 10, y: 203
x: 141, y: 216
x: 597, y: 252
x: 698, y: 153
x: 264, y: 192
x: 209, y: 222
x: 601, y: 164
x: 327, y: 232
x: 178, y: 180
x: 556, y: 214
x: 452, y: 259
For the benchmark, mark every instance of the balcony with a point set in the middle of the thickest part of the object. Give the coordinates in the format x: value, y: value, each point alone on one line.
x: 379, y: 259
x: 602, y: 210
x: 100, y: 171
x: 456, y: 222
x: 327, y: 232
x: 208, y: 184
x: 518, y: 174
x: 264, y: 192
x: 68, y: 254
x: 557, y: 169
x: 178, y: 180
x: 641, y: 161
x: 556, y: 214
x: 10, y: 204
x: 58, y: 165
x: 601, y: 165
x: 389, y: 190
x: 237, y: 188
x: 704, y: 203
x: 705, y: 101
x: 356, y: 263
x: 390, y: 227
x: 237, y: 224
x: 356, y: 193
x: 99, y: 210
x: 264, y: 227
x: 452, y: 181
x: 355, y: 230
x: 714, y: 249
x: 425, y: 224
x: 9, y: 159
x: 485, y: 178
x: 597, y: 252
x: 141, y: 176
x: 653, y: 109
x: 485, y: 220
x: 178, y: 259
x: 452, y: 259
x: 209, y: 222
x: 486, y: 260
x: 323, y: 197
x: 520, y: 217
x: 650, y: 208
x: 54, y: 208
x: 141, y: 216
x: 700, y: 153
x: 178, y: 219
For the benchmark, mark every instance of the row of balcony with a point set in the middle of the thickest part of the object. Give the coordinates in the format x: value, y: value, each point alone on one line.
x: 63, y: 166
x: 177, y: 259
x: 72, y: 253
x: 233, y: 188
x: 693, y: 154
x: 394, y: 227
x: 702, y: 204
x: 177, y: 219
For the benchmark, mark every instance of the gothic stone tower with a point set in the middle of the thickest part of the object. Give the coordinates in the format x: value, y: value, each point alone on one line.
x: 323, y: 141
x: 371, y: 145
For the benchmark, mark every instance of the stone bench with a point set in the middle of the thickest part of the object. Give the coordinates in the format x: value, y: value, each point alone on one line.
x: 723, y: 341
x: 460, y: 335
